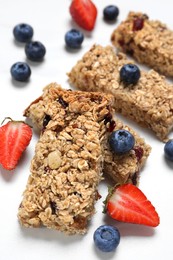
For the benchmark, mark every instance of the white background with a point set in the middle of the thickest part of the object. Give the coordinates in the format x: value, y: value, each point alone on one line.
x: 50, y: 20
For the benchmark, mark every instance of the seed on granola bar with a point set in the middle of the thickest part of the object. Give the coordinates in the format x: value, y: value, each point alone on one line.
x: 54, y: 160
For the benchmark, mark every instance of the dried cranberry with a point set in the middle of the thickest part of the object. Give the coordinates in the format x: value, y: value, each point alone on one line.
x: 112, y: 126
x: 138, y: 152
x: 46, y: 120
x: 75, y: 125
x: 121, y: 42
x: 58, y: 129
x: 138, y: 24
x: 63, y: 103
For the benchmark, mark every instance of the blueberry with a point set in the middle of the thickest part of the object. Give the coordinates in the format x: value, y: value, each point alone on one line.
x: 168, y: 149
x: 130, y: 74
x: 106, y: 238
x: 35, y: 51
x: 110, y: 12
x: 121, y: 141
x: 23, y: 32
x: 20, y: 71
x: 74, y: 39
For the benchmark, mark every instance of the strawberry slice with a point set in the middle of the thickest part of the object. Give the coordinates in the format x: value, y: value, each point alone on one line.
x: 15, y: 136
x: 84, y: 13
x: 128, y: 203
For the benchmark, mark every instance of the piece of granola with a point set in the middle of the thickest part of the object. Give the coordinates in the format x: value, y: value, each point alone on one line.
x: 149, y: 102
x: 121, y: 168
x: 67, y: 166
x: 148, y: 41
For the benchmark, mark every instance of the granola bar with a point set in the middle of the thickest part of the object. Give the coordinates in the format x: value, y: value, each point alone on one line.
x: 67, y: 166
x: 121, y: 168
x: 149, y: 102
x: 148, y: 41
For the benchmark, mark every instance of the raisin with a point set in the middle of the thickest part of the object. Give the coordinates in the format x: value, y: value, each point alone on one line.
x: 121, y: 42
x: 46, y: 120
x: 138, y: 24
x: 53, y: 207
x: 138, y: 152
x: 63, y: 103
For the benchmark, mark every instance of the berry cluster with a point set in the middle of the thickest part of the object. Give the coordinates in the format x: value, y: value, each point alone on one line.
x: 84, y: 13
x: 34, y: 50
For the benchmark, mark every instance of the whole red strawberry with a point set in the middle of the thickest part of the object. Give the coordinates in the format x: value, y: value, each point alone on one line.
x: 84, y: 13
x: 128, y: 203
x: 15, y: 136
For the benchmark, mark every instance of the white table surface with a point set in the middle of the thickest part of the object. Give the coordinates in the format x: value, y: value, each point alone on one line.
x: 51, y: 20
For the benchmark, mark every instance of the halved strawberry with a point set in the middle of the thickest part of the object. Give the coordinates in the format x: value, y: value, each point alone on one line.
x: 15, y: 136
x: 128, y: 203
x: 84, y: 13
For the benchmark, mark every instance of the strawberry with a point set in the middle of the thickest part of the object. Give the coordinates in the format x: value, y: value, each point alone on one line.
x: 128, y: 203
x: 15, y: 136
x: 84, y: 13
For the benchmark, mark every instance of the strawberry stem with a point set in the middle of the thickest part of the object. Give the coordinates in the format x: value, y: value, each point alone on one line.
x: 17, y: 121
x: 6, y: 118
